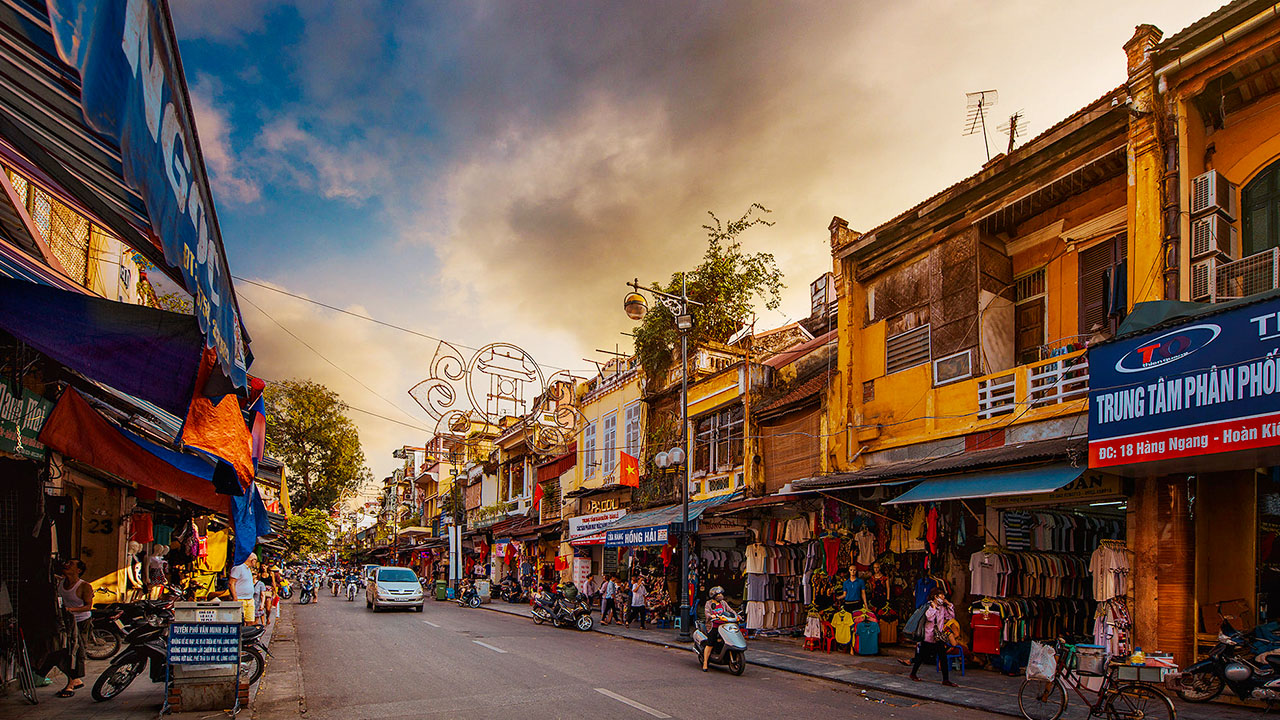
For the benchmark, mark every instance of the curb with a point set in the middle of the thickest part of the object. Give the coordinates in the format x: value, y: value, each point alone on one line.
x: 861, y: 679
x: 280, y: 692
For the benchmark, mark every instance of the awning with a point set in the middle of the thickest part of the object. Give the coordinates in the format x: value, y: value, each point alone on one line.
x: 651, y: 527
x: 558, y: 466
x: 78, y: 431
x: 142, y: 351
x: 530, y: 533
x: 1021, y: 481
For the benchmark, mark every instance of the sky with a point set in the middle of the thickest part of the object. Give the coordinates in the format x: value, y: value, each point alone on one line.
x: 495, y: 171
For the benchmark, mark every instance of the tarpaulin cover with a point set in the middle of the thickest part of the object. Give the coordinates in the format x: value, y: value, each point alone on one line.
x: 250, y: 520
x: 150, y: 353
x: 78, y: 431
x: 217, y: 427
x: 996, y: 483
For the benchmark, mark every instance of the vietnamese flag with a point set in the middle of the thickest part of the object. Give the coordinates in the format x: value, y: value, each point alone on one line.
x: 537, y: 495
x: 629, y: 471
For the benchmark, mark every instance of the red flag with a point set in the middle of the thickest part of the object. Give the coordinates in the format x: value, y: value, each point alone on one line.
x: 537, y: 495
x: 562, y: 563
x: 629, y: 471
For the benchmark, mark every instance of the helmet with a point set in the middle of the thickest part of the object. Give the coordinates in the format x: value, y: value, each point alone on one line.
x: 717, y: 590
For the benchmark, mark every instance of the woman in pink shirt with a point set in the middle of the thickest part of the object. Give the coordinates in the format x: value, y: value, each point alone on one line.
x: 934, y: 642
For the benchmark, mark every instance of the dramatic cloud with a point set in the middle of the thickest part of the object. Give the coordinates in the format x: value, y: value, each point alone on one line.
x: 514, y: 163
x: 228, y: 174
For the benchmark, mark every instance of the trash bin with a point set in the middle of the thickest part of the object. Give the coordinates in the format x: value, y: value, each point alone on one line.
x: 442, y: 589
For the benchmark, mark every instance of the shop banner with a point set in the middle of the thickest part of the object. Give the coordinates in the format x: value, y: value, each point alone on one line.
x: 589, y: 524
x: 1090, y: 487
x: 1208, y: 386
x: 132, y: 91
x: 204, y: 643
x: 581, y: 570
x: 22, y: 417
x: 633, y: 537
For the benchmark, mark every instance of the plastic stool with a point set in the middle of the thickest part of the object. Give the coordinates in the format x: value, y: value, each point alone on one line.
x: 953, y: 653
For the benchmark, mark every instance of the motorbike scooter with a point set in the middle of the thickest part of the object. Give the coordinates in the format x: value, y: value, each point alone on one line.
x: 510, y: 591
x: 560, y: 610
x: 732, y: 648
x: 145, y: 643
x: 112, y: 622
x: 308, y: 592
x: 469, y: 597
x: 351, y: 590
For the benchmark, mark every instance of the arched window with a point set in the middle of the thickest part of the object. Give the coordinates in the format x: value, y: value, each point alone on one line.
x: 1260, y: 212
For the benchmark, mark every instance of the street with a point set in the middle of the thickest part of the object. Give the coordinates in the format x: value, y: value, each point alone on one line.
x: 450, y: 662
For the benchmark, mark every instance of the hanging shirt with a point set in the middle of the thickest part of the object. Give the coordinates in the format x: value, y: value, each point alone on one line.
x: 842, y: 623
x: 985, y: 574
x: 866, y: 543
x: 987, y: 627
x: 756, y: 555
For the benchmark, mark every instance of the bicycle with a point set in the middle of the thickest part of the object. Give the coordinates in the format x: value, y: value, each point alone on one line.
x: 1117, y: 699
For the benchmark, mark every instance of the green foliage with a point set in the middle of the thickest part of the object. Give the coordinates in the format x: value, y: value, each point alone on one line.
x: 727, y: 282
x: 308, y: 532
x: 307, y: 428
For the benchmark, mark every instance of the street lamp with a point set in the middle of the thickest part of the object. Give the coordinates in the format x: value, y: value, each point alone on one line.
x: 678, y: 305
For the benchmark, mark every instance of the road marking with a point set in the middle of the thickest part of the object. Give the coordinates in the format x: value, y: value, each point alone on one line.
x: 495, y: 649
x: 430, y: 623
x: 632, y: 703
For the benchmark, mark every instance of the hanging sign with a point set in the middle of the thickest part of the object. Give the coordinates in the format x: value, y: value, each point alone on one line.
x: 1090, y: 487
x: 1208, y: 386
x: 22, y: 415
x: 132, y: 91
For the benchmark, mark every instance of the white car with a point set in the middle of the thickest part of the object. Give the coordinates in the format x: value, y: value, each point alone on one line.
x: 393, y: 587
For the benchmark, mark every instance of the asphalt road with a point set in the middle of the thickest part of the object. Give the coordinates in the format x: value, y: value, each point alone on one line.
x: 452, y: 662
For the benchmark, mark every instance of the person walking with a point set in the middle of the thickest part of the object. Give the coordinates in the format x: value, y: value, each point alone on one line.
x: 240, y: 583
x: 936, y: 617
x: 77, y: 600
x: 608, y: 594
x: 638, y: 607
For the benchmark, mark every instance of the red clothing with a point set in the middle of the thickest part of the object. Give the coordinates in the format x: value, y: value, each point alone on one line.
x: 987, y: 628
x: 831, y: 548
x: 931, y: 530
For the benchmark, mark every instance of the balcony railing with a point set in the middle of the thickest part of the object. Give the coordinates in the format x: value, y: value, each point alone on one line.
x: 1047, y: 382
x: 1244, y: 277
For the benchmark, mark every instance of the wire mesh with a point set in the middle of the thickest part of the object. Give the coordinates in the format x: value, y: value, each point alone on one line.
x: 1247, y: 276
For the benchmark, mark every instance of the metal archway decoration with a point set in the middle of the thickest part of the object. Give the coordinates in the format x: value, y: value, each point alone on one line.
x: 496, y: 382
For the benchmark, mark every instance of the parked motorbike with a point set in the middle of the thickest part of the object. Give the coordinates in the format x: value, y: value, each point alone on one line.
x: 469, y: 597
x: 732, y: 647
x: 560, y: 610
x: 1246, y: 663
x: 112, y: 622
x: 510, y: 591
x: 145, y: 643
x: 251, y: 650
x: 286, y: 590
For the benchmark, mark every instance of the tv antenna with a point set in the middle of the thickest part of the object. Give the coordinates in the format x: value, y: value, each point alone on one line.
x: 975, y: 116
x: 1015, y: 127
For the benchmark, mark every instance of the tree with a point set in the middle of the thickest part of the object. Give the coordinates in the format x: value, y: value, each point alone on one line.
x: 309, y: 430
x: 309, y: 532
x: 727, y: 282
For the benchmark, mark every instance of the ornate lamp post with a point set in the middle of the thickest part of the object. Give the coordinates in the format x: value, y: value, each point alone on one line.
x: 678, y: 305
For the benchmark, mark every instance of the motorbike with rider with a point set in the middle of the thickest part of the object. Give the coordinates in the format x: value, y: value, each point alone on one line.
x: 721, y: 640
x: 352, y: 584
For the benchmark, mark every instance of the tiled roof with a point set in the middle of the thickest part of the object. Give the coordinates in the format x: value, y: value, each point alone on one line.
x: 1173, y: 42
x: 808, y: 388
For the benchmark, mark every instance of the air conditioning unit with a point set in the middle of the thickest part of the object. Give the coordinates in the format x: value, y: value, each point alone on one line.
x: 1211, y: 192
x: 1213, y: 234
x: 1202, y: 280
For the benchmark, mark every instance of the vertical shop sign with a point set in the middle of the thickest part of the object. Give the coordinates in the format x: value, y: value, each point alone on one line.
x: 22, y: 416
x: 132, y: 91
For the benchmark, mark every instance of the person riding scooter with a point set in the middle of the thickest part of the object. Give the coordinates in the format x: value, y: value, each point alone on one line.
x: 715, y: 610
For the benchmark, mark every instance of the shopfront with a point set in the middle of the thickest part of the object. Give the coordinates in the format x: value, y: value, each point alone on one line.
x: 586, y: 537
x: 1186, y: 409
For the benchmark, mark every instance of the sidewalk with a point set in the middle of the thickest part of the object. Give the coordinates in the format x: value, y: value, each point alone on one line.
x: 979, y: 689
x: 142, y: 700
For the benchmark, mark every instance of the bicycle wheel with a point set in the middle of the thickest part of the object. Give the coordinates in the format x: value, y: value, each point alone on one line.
x: 1136, y: 701
x: 1042, y: 699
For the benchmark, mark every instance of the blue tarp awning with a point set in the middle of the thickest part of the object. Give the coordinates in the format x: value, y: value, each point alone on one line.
x: 650, y: 527
x: 994, y: 483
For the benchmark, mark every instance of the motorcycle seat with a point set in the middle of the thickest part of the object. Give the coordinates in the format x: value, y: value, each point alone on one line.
x: 250, y: 632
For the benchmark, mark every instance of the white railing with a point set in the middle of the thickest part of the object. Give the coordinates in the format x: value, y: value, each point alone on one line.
x: 1046, y: 382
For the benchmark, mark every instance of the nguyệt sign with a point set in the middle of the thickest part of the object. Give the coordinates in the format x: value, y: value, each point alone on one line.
x: 1209, y: 386
x: 22, y: 416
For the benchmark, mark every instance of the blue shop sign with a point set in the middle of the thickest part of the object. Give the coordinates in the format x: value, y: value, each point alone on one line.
x: 204, y: 643
x: 632, y: 537
x: 1210, y: 385
x: 133, y: 92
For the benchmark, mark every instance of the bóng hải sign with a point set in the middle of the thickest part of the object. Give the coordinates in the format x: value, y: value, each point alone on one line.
x: 1209, y: 386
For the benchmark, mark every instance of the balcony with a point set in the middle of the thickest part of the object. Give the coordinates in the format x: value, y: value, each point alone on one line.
x: 1040, y: 384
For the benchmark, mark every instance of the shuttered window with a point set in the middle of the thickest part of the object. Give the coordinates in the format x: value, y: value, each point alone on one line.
x: 1101, y: 266
x: 907, y: 350
x: 790, y: 449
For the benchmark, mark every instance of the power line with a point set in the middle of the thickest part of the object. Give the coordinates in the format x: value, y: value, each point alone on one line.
x: 322, y: 357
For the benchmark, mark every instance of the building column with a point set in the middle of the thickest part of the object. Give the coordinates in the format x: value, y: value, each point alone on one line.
x: 1146, y: 262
